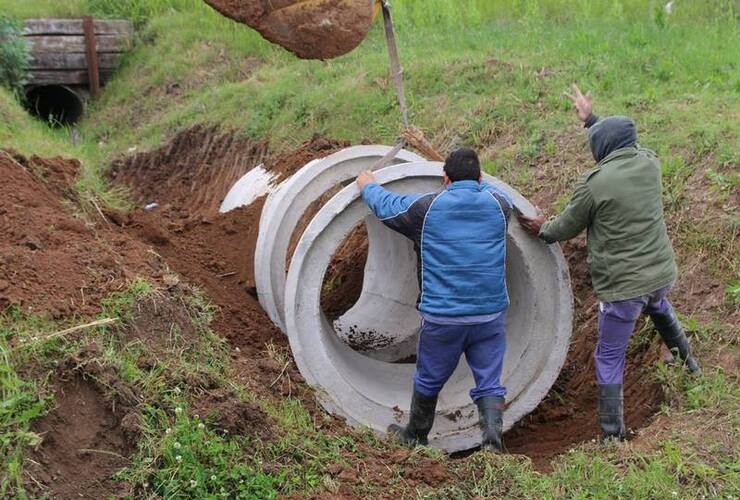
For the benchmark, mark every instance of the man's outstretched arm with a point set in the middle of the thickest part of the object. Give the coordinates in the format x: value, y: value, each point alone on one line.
x: 383, y: 203
x: 571, y: 221
x: 578, y: 213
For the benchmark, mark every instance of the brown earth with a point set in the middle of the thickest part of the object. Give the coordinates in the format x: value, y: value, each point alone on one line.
x: 343, y: 281
x: 195, y: 169
x: 286, y: 164
x: 311, y: 29
x: 52, y: 261
x: 84, y: 442
x: 161, y: 323
x: 239, y: 418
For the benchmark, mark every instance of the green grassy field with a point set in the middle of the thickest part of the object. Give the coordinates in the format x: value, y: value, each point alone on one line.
x: 489, y: 74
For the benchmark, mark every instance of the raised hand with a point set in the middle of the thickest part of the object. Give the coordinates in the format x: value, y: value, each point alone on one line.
x: 584, y: 104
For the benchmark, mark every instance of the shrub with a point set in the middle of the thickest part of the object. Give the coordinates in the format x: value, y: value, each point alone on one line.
x: 13, y: 55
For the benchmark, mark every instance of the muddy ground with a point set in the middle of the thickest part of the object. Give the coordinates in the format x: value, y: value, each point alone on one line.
x: 59, y: 262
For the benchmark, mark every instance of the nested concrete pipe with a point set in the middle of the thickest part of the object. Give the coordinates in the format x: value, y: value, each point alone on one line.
x: 285, y: 207
x: 369, y: 391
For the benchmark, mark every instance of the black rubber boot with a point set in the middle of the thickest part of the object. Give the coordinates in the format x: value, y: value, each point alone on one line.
x: 611, y: 411
x: 672, y: 333
x: 491, y: 413
x: 421, y: 420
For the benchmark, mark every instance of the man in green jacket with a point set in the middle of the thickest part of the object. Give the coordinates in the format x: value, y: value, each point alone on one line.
x: 630, y: 256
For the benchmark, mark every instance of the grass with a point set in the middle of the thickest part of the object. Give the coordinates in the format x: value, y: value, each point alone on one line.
x: 179, y: 454
x: 485, y: 73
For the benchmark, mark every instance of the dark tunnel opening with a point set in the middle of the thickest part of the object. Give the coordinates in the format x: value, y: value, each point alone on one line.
x: 55, y: 104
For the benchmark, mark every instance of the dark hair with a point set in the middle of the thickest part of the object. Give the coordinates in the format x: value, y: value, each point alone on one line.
x: 462, y: 165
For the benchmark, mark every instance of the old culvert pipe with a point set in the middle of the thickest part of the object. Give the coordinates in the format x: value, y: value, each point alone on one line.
x: 55, y: 104
x: 369, y: 390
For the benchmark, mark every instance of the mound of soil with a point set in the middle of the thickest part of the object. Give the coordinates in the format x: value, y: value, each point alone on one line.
x: 227, y: 411
x: 211, y: 250
x: 318, y: 29
x: 83, y: 444
x: 162, y: 323
x: 286, y: 164
x: 51, y: 261
x: 195, y: 169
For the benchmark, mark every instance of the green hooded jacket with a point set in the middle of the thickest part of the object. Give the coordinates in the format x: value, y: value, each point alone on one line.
x: 619, y: 203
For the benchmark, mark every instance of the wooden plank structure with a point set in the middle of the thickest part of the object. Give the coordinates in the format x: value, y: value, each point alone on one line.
x: 64, y: 52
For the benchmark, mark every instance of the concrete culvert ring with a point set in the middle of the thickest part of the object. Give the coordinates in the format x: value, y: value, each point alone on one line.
x: 365, y: 387
x: 55, y: 104
x: 285, y: 207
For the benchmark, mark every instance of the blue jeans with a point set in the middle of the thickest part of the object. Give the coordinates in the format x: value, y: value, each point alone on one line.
x: 440, y: 348
x: 616, y: 323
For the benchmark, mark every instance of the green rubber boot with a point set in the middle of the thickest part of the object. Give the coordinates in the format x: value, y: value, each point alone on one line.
x: 491, y: 413
x: 672, y: 333
x: 421, y: 420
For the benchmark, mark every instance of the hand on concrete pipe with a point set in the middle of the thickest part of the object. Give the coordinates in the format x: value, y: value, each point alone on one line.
x: 365, y: 178
x: 532, y: 225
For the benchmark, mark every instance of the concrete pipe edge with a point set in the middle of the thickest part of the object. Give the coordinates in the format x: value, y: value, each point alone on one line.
x: 369, y: 392
x: 285, y: 207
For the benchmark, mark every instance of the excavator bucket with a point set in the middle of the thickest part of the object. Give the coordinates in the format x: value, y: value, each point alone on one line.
x: 310, y: 29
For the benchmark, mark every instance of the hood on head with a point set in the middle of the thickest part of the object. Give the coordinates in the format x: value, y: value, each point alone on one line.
x: 611, y: 133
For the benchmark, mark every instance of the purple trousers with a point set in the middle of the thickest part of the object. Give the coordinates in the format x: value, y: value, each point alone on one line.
x: 440, y: 348
x: 616, y: 324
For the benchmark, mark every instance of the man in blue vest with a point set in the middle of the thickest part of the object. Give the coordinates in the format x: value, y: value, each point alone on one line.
x: 459, y: 235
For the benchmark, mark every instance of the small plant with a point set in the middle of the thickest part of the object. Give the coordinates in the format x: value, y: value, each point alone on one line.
x: 733, y: 292
x: 14, y: 55
x: 20, y: 405
x: 193, y: 461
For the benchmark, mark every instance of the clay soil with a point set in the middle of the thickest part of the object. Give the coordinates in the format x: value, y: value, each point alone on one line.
x: 317, y: 29
x: 57, y: 261
x: 85, y: 440
x: 52, y: 261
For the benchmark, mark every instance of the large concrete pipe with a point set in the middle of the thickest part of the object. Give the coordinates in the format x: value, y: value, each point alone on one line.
x: 374, y: 392
x: 285, y: 208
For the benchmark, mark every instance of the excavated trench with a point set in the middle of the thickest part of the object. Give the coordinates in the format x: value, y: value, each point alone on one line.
x: 565, y: 417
